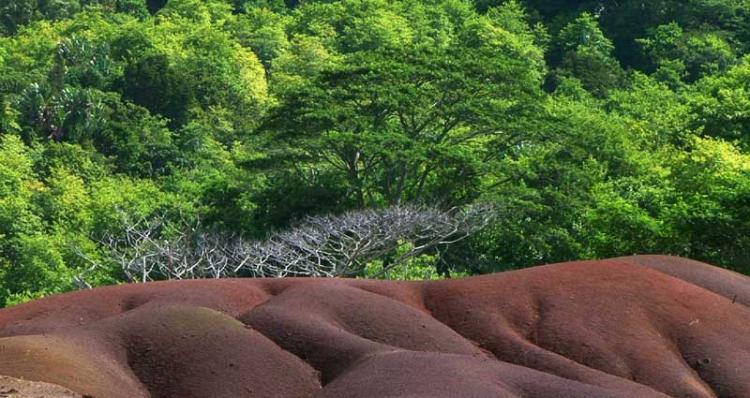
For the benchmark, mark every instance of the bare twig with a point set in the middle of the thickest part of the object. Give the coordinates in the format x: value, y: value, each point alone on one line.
x: 320, y: 246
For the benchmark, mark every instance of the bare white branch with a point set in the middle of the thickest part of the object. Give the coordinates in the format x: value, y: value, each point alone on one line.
x: 320, y: 246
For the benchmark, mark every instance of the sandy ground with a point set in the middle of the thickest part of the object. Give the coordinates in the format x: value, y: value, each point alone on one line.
x: 16, y: 388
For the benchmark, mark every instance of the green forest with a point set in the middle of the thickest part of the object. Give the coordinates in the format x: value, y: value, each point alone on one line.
x: 580, y: 129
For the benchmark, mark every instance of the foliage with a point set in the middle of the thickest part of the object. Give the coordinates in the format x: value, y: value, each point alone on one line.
x: 699, y: 54
x: 423, y: 267
x: 587, y: 55
x: 404, y: 124
x: 594, y: 128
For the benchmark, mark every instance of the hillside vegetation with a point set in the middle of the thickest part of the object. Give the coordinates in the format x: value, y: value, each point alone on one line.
x: 590, y: 129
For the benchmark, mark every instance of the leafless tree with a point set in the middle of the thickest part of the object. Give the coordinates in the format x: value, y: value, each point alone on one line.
x: 320, y: 246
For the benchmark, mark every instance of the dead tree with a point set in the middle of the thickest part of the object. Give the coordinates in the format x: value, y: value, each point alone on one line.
x: 319, y: 246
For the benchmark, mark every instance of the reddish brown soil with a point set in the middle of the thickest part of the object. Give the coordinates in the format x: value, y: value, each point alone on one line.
x: 648, y: 327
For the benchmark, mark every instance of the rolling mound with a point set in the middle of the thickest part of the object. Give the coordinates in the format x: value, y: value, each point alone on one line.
x: 645, y: 326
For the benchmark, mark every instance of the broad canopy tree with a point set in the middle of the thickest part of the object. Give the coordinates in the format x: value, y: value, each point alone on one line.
x: 414, y: 123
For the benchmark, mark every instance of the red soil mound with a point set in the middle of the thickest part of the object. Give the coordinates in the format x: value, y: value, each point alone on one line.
x: 633, y: 327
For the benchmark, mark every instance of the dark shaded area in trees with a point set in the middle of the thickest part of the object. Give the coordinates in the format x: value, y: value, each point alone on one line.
x: 155, y: 5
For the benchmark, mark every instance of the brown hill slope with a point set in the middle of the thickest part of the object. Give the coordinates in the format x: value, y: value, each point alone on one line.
x: 647, y: 326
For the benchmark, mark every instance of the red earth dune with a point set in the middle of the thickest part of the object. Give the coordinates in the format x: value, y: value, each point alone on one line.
x: 645, y: 326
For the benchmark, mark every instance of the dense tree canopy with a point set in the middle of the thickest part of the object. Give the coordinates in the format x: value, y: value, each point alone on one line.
x: 593, y: 128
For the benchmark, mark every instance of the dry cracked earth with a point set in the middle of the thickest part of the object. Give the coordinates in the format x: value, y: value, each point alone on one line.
x: 645, y: 326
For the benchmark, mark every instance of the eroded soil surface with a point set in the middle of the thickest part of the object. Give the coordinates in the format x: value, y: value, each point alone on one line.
x: 649, y: 326
x: 17, y: 388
